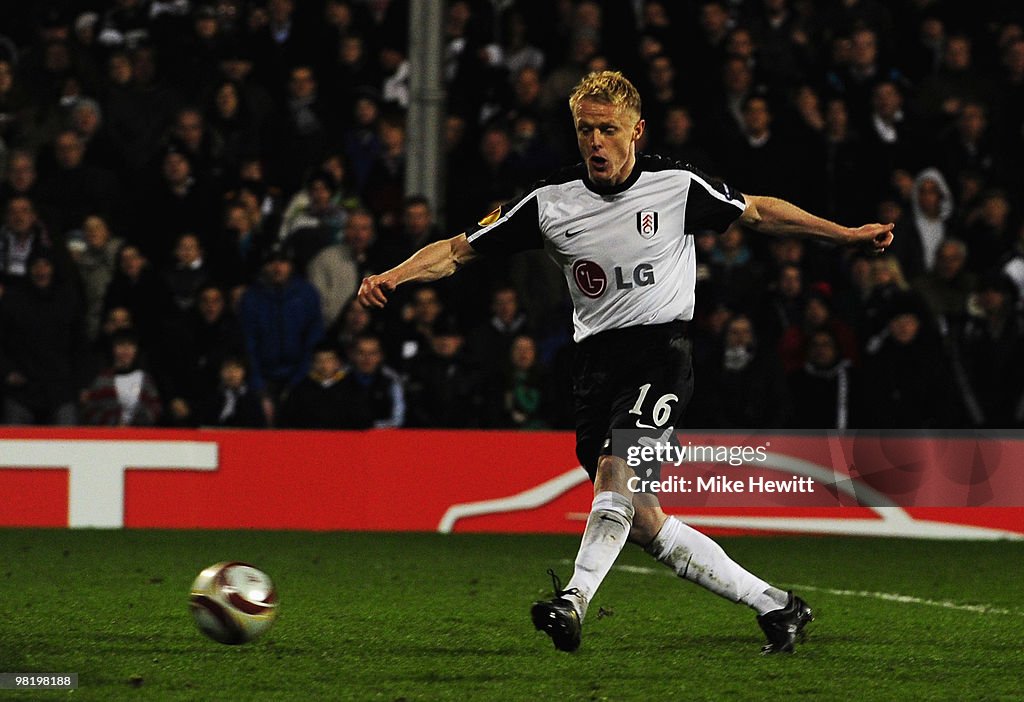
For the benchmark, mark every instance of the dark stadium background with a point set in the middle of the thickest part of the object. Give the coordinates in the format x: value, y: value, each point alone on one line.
x: 151, y: 120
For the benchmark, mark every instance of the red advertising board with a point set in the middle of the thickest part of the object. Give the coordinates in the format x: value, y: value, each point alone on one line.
x: 406, y: 480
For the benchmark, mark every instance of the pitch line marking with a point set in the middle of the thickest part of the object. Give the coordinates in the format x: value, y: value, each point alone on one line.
x: 886, y: 596
x: 910, y: 599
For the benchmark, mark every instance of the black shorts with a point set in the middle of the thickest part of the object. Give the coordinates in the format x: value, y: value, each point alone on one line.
x: 633, y: 381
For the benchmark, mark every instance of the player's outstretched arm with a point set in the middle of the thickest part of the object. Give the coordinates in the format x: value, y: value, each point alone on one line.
x: 437, y: 260
x: 774, y: 216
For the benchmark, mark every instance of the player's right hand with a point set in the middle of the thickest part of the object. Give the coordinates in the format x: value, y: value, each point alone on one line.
x: 374, y: 291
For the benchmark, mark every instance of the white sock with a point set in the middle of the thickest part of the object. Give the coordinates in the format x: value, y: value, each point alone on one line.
x: 695, y: 557
x: 611, y: 517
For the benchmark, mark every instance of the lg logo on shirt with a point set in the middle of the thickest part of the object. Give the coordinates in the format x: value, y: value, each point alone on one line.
x: 593, y: 281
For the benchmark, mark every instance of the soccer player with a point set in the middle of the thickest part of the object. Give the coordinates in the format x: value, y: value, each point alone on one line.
x: 620, y: 226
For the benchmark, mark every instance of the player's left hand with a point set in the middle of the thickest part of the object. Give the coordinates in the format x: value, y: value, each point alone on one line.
x: 374, y: 291
x: 874, y: 237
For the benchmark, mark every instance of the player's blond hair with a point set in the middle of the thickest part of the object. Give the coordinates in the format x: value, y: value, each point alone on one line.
x: 606, y: 86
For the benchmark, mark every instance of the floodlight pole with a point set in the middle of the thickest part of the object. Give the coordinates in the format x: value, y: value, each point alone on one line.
x: 424, y: 169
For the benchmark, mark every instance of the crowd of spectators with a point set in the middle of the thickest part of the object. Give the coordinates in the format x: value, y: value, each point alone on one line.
x: 193, y: 189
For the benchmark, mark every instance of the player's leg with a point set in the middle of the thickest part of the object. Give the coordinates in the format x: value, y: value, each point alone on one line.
x: 628, y: 384
x: 611, y: 512
x: 699, y: 559
x: 607, y: 530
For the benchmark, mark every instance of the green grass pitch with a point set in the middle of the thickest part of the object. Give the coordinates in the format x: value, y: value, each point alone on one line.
x: 428, y: 617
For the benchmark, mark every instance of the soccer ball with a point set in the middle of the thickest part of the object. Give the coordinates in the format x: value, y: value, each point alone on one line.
x: 233, y: 602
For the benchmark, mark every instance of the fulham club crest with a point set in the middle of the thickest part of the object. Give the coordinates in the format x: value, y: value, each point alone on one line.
x: 647, y: 224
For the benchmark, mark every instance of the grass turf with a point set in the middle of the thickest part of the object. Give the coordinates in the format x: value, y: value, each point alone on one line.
x: 430, y: 617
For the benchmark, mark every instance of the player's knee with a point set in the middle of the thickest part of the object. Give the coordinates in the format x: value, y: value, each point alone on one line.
x: 613, y: 473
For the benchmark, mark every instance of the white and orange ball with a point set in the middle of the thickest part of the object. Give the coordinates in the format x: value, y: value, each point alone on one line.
x: 233, y: 602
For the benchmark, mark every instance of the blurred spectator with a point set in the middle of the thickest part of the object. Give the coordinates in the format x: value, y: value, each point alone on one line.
x: 944, y: 92
x: 232, y: 126
x: 445, y: 388
x: 178, y: 202
x: 202, y: 147
x: 760, y: 160
x: 945, y: 287
x: 517, y: 52
x: 321, y: 401
x: 735, y: 276
x: 782, y: 307
x: 282, y: 323
x: 303, y: 140
x: 137, y: 287
x: 22, y: 237
x: 523, y: 388
x: 492, y: 178
x: 841, y: 152
x: 96, y: 265
x: 490, y: 342
x: 988, y: 233
x: 123, y: 395
x: 384, y: 189
x: 315, y: 220
x: 373, y: 387
x: 662, y: 91
x: 353, y: 321
x: 195, y: 345
x: 20, y: 177
x: 906, y: 374
x: 782, y: 39
x: 818, y: 315
x: 361, y: 141
x: 418, y: 227
x: 75, y: 189
x: 236, y: 66
x: 855, y: 81
x: 991, y: 348
x: 335, y: 272
x: 232, y: 403
x: 532, y: 150
x: 415, y: 334
x: 969, y: 146
x: 890, y: 135
x: 277, y: 39
x: 197, y: 45
x: 824, y: 387
x: 933, y: 206
x: 725, y: 112
x: 14, y: 104
x: 100, y: 148
x: 748, y: 387
x: 115, y: 320
x: 42, y: 347
x: 676, y: 142
x: 236, y: 254
x: 188, y: 274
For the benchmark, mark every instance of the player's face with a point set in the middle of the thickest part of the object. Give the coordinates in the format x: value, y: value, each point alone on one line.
x: 607, y: 136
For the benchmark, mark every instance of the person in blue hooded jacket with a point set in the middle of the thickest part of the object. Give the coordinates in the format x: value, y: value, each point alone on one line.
x: 281, y: 321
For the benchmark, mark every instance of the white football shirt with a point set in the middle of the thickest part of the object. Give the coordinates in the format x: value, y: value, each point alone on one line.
x: 626, y: 251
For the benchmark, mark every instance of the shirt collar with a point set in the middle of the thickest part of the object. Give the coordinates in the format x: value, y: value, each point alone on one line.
x: 614, y: 189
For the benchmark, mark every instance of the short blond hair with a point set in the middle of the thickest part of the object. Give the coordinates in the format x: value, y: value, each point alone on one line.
x: 610, y: 87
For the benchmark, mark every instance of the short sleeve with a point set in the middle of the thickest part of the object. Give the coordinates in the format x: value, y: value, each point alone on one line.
x: 509, y: 229
x: 711, y: 204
